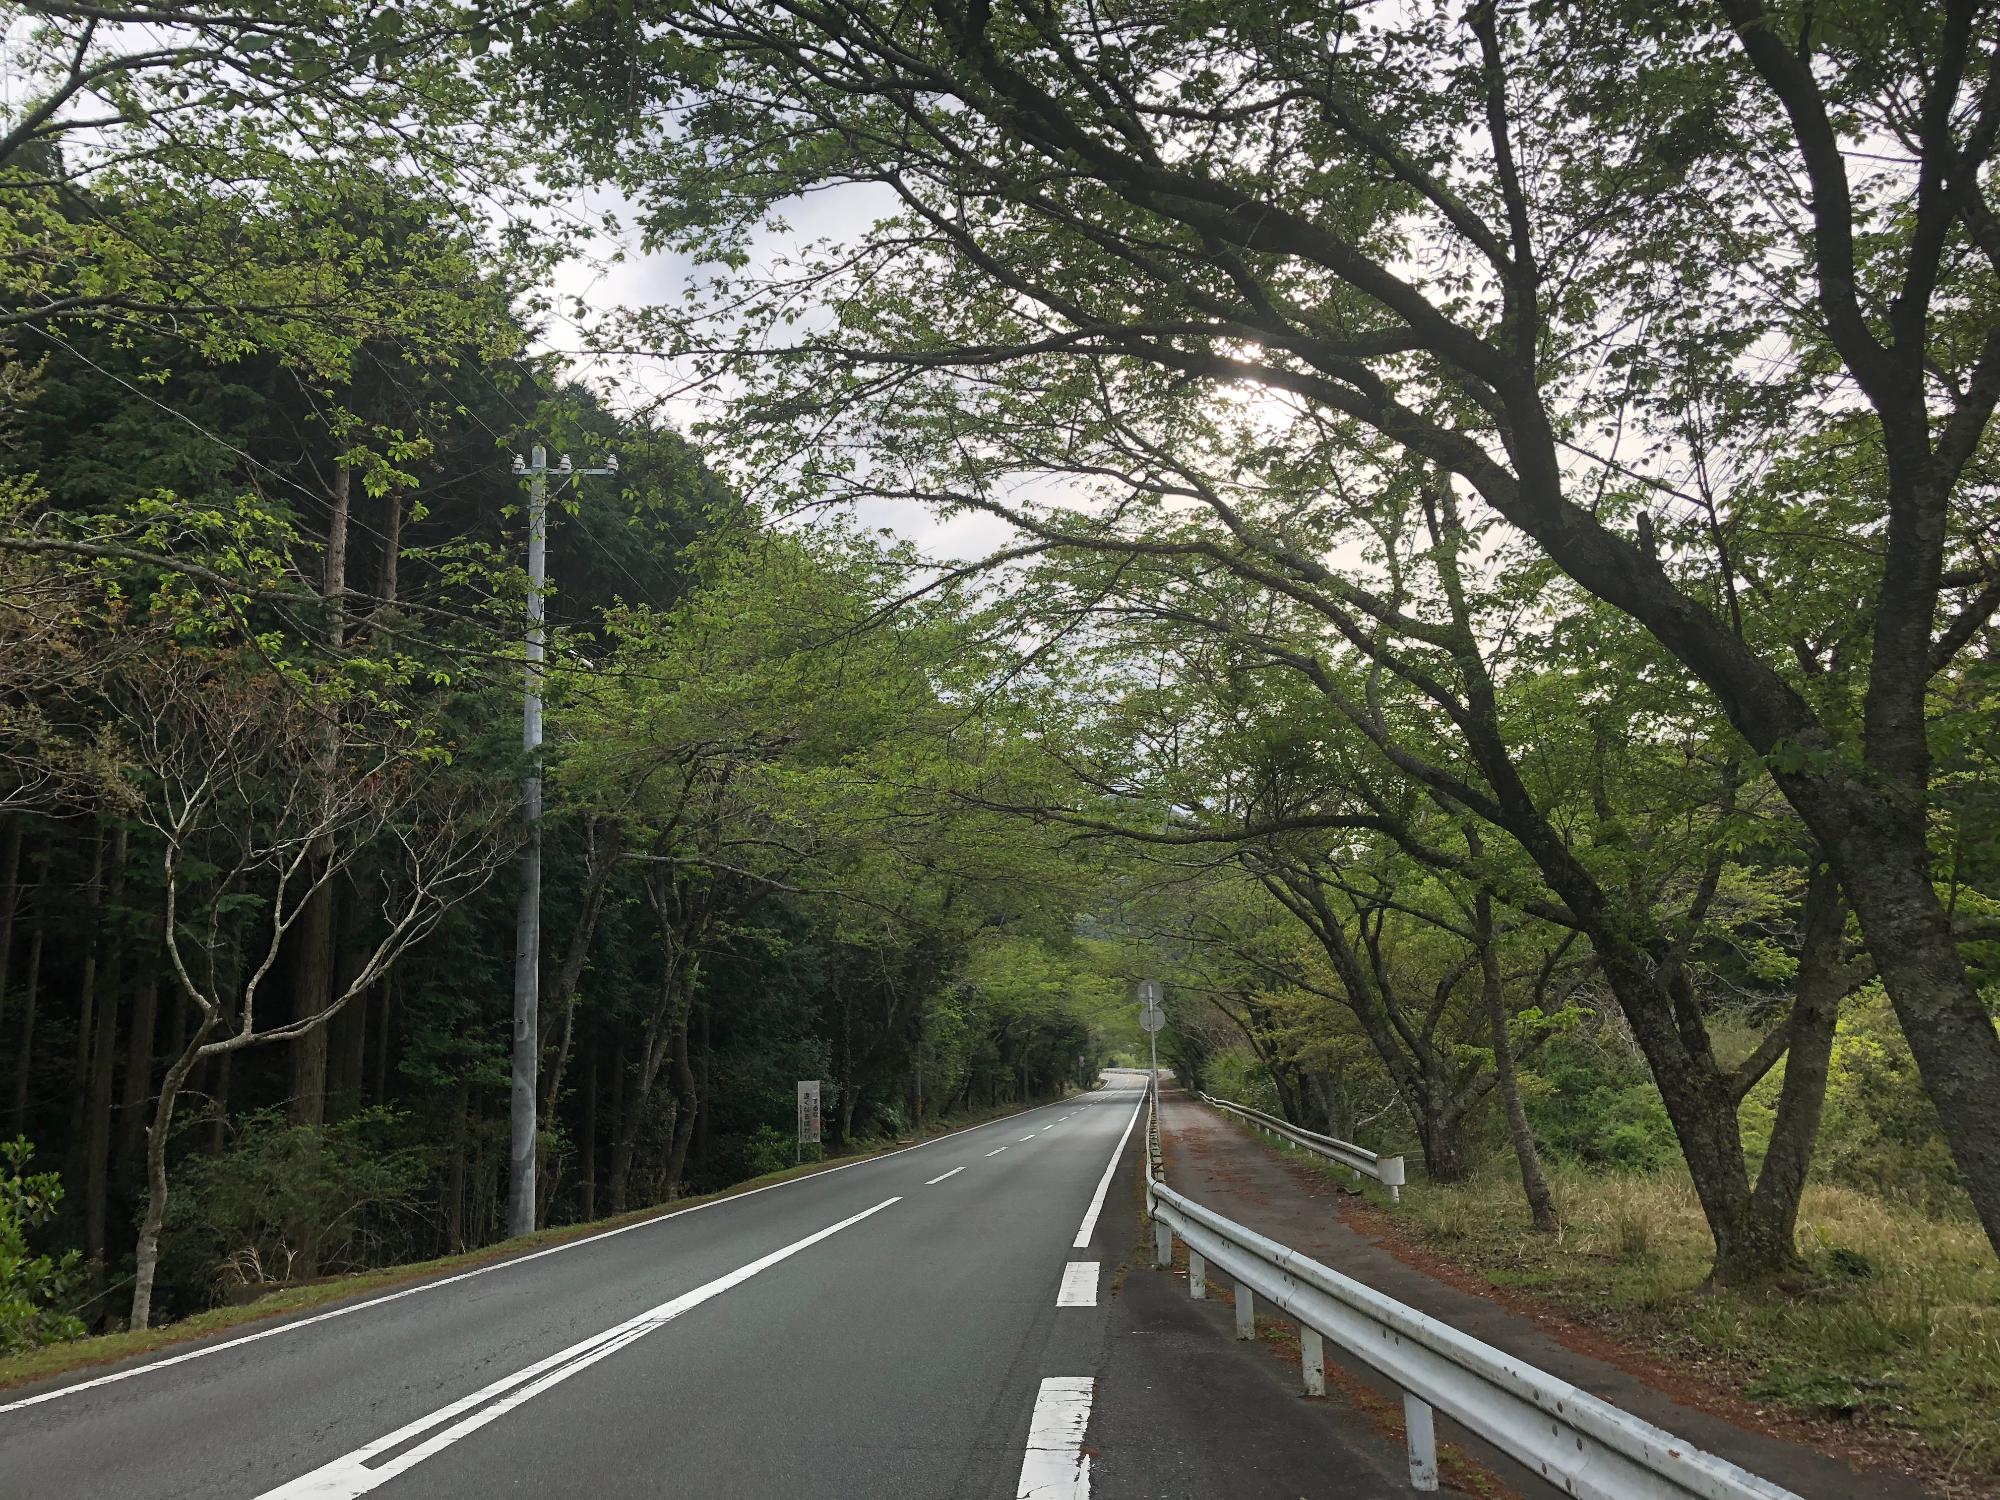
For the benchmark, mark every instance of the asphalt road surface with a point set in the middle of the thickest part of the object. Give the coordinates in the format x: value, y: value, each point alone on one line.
x: 936, y: 1322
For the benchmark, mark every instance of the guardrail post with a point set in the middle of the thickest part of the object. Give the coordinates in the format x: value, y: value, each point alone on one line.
x: 1163, y: 1243
x: 1197, y: 1274
x: 1246, y: 1312
x: 1312, y: 1360
x: 1422, y: 1439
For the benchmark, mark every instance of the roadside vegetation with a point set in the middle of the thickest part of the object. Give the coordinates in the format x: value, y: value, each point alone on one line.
x: 1890, y: 1325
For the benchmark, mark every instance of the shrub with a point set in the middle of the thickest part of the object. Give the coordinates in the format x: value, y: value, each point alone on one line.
x: 341, y: 1196
x: 33, y: 1288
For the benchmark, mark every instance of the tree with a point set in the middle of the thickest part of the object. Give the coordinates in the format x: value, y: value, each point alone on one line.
x: 1466, y: 237
x: 254, y: 818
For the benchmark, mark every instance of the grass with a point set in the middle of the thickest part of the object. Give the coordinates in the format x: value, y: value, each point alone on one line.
x: 1893, y: 1327
x: 108, y: 1348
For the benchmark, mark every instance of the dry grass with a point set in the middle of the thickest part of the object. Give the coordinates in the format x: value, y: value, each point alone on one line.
x: 1893, y: 1327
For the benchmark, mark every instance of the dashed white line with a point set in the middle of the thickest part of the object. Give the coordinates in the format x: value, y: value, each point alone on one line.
x: 1055, y: 1466
x: 1104, y: 1184
x: 1024, y: 1140
x: 996, y: 1153
x: 1050, y: 1126
x: 942, y: 1175
x: 350, y: 1475
x: 1079, y: 1285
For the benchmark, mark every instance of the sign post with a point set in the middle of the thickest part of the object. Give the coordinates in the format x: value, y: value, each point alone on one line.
x: 1151, y: 1019
x: 808, y: 1117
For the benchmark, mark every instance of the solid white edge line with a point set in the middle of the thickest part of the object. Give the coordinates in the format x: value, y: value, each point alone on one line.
x: 1055, y: 1467
x: 1079, y: 1285
x: 499, y: 1265
x: 942, y: 1175
x: 1104, y: 1184
x: 349, y: 1475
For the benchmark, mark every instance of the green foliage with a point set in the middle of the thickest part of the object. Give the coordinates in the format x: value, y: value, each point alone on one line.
x: 1880, y: 1130
x: 34, y: 1289
x: 347, y: 1190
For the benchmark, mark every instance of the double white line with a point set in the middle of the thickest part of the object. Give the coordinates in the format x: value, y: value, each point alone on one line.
x: 378, y: 1462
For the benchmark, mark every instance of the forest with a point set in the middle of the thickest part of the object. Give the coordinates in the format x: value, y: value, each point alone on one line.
x: 1482, y: 579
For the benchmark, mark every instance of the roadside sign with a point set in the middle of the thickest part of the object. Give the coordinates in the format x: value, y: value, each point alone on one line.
x: 808, y: 1110
x: 1152, y: 1020
x: 1150, y: 993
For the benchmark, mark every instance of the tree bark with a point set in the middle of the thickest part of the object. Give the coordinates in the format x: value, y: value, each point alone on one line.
x: 138, y: 1080
x: 10, y: 902
x: 1542, y: 1212
x: 103, y: 1066
x: 146, y: 1255
x: 588, y: 1130
x: 1769, y: 1242
x: 24, y: 1056
x: 621, y: 1132
x: 313, y: 974
x: 1443, y: 1138
x: 86, y: 1005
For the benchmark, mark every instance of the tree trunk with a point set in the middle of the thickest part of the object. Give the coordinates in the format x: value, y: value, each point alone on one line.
x: 138, y: 1080
x: 622, y: 1128
x: 378, y: 1088
x: 10, y: 901
x: 146, y: 1256
x: 1534, y: 1182
x: 347, y: 1032
x: 687, y: 1102
x: 1443, y: 1137
x: 587, y: 1146
x: 454, y: 1182
x: 86, y: 1006
x: 312, y: 991
x: 1769, y: 1242
x: 103, y: 1066
x: 313, y: 976
x: 24, y: 1056
x: 218, y: 1128
x: 1886, y: 876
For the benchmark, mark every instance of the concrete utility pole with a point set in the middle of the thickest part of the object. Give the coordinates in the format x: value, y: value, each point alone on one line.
x: 528, y: 916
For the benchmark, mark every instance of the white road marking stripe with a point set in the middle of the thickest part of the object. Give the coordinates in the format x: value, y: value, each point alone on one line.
x: 350, y: 1474
x: 1050, y: 1126
x: 996, y: 1153
x: 1079, y: 1285
x: 1055, y: 1467
x: 1104, y: 1185
x: 443, y: 1281
x: 1024, y: 1140
x: 942, y: 1175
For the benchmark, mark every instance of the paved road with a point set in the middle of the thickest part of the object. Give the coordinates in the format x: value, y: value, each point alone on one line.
x: 930, y: 1323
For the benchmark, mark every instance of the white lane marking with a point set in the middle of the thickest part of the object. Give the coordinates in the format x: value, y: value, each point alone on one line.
x: 1055, y: 1467
x: 351, y: 1475
x: 996, y: 1153
x: 1024, y: 1140
x: 1050, y: 1126
x: 1079, y: 1285
x: 1104, y: 1185
x: 942, y: 1175
x: 498, y: 1265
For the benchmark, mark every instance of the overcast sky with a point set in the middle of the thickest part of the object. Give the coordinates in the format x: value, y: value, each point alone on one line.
x: 650, y: 280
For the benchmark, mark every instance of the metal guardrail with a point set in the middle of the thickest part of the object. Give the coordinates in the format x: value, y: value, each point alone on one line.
x: 1155, y: 1162
x: 1387, y: 1170
x: 1579, y: 1443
